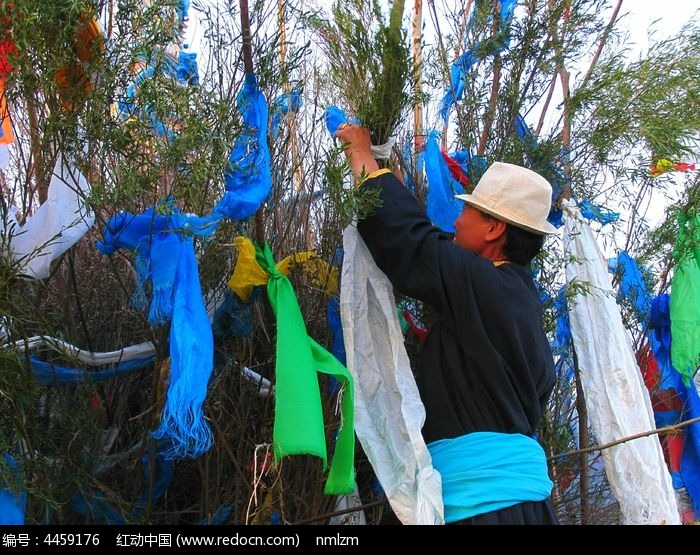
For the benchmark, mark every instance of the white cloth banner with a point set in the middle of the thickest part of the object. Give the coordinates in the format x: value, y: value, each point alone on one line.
x: 389, y: 413
x: 617, y: 400
x: 55, y: 227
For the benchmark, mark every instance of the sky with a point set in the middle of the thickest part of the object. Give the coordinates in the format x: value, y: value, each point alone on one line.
x: 645, y: 15
x: 642, y: 15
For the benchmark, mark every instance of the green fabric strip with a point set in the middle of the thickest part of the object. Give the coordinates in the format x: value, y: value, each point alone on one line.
x: 298, y: 427
x: 685, y: 299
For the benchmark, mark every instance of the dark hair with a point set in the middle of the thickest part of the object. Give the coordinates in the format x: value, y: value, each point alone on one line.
x: 521, y: 246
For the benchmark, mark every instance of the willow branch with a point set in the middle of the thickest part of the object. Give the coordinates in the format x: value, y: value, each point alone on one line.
x: 462, y: 28
x: 446, y: 68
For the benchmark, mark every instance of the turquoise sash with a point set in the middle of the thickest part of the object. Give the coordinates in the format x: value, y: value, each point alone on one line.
x: 486, y: 471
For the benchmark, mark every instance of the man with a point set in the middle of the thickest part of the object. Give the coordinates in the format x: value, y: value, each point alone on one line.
x: 486, y: 370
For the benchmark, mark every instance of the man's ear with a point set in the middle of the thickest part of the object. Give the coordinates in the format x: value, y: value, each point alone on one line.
x: 495, y: 230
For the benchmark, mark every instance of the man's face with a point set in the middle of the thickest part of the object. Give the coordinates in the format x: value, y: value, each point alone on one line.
x: 470, y: 229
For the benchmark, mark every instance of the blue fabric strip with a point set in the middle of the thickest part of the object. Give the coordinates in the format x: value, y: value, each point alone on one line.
x: 462, y: 65
x: 248, y: 177
x: 335, y: 117
x: 167, y: 259
x: 443, y: 207
x: 487, y: 471
x: 632, y: 284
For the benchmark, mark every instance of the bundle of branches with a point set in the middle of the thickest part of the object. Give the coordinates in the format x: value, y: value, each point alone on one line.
x: 369, y: 61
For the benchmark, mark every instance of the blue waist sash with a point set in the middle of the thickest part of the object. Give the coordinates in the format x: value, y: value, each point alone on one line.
x: 487, y: 471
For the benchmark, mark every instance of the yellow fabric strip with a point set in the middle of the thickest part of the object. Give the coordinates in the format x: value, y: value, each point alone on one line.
x: 248, y: 273
x: 317, y: 272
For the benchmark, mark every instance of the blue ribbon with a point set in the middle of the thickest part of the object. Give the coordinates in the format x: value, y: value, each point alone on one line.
x: 632, y: 284
x: 335, y: 117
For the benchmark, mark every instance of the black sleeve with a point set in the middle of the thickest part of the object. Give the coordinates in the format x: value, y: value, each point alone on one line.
x: 419, y: 259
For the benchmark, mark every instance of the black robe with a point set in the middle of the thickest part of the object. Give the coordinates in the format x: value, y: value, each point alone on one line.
x: 486, y: 365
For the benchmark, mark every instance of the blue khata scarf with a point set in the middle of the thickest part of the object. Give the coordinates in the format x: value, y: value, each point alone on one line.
x: 487, y: 471
x: 165, y: 258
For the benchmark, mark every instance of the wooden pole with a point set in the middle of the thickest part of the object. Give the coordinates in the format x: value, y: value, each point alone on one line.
x: 565, y: 89
x: 417, y: 76
x: 566, y: 194
x: 247, y: 42
x: 495, y: 85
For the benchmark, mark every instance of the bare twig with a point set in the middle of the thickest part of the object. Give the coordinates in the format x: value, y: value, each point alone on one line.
x: 342, y: 512
x: 664, y: 430
x: 601, y: 44
x: 545, y: 108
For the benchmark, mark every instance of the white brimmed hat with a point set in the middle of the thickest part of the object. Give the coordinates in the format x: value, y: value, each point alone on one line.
x: 515, y: 195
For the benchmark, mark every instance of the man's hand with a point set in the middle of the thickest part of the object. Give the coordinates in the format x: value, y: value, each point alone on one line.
x: 356, y: 142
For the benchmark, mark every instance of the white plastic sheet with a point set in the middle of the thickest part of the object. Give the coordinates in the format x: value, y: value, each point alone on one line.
x: 142, y: 350
x: 617, y: 400
x: 389, y: 413
x: 56, y: 226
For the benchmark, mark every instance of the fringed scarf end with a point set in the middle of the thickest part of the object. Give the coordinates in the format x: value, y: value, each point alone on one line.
x: 189, y: 438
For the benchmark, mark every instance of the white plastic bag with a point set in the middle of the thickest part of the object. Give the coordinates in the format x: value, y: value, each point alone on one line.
x: 55, y: 227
